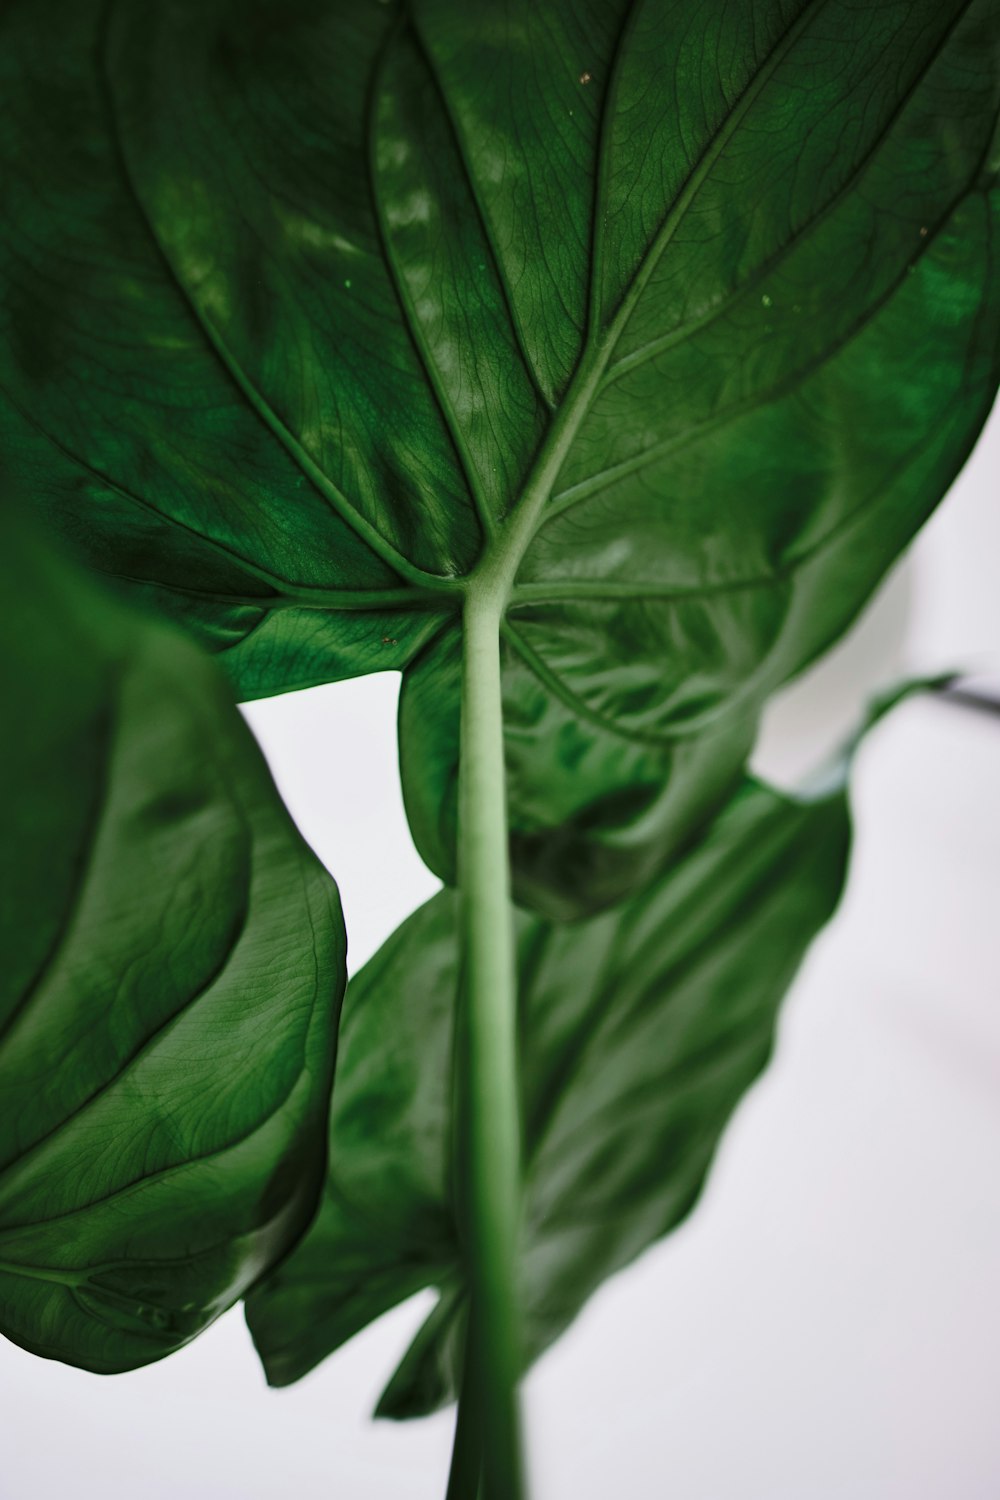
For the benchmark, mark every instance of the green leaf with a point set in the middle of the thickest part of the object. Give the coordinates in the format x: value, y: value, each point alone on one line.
x: 173, y: 966
x: 641, y: 1029
x: 677, y: 318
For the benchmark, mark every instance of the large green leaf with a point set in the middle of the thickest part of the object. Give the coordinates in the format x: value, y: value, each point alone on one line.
x: 691, y: 309
x: 640, y: 1030
x: 173, y: 966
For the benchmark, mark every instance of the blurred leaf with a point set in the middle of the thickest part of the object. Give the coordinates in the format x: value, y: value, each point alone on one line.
x: 641, y: 1029
x: 690, y: 310
x: 173, y: 965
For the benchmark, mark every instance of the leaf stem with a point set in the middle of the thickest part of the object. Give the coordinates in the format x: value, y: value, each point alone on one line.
x: 490, y: 1114
x: 467, y: 1450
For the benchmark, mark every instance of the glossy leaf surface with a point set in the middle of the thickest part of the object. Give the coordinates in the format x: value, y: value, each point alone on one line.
x: 685, y: 314
x: 173, y: 965
x: 640, y: 1031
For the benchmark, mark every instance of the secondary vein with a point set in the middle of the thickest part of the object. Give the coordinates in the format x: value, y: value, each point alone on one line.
x: 412, y: 323
x: 321, y: 481
x: 483, y: 217
x: 568, y: 697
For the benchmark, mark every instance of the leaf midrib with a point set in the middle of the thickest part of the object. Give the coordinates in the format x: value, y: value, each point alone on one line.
x: 690, y: 326
x: 502, y: 557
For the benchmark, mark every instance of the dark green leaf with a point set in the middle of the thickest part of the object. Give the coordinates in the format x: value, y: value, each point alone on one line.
x: 688, y: 311
x: 173, y: 965
x: 640, y: 1031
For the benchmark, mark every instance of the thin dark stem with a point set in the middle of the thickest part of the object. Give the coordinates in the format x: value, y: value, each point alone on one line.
x: 964, y: 697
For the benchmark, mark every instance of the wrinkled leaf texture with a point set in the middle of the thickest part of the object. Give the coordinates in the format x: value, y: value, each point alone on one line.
x: 302, y: 303
x: 173, y: 965
x: 641, y: 1028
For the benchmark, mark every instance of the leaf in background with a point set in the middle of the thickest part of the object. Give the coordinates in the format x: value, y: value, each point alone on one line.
x: 690, y: 310
x: 641, y: 1029
x: 173, y: 965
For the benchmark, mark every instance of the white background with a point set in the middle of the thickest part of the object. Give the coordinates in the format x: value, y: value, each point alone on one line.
x: 827, y: 1326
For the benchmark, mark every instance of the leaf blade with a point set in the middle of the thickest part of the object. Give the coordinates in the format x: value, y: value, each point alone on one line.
x: 168, y: 1012
x: 612, y: 296
x: 640, y: 1030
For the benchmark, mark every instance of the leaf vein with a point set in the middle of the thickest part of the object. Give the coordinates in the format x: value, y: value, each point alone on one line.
x: 587, y: 488
x: 411, y: 321
x: 321, y: 481
x: 693, y: 325
x: 484, y: 221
